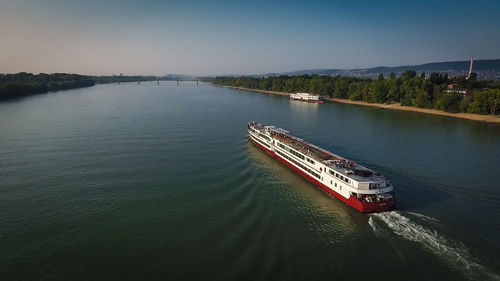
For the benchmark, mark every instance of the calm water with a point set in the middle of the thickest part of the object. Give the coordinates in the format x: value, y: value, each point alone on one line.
x: 157, y: 182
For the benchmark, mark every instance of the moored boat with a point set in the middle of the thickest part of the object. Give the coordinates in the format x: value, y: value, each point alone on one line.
x: 306, y: 97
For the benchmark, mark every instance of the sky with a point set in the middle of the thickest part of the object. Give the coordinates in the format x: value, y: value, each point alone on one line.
x: 152, y: 37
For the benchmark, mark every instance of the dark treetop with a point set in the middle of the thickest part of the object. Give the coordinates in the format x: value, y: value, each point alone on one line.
x: 23, y: 84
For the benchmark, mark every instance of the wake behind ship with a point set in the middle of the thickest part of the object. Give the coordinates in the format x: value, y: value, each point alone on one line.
x: 357, y: 186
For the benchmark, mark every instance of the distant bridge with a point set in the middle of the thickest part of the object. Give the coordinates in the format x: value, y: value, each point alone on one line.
x: 177, y: 80
x: 187, y: 80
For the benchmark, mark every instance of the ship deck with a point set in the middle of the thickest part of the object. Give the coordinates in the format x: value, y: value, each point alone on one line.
x: 307, y: 148
x: 324, y: 156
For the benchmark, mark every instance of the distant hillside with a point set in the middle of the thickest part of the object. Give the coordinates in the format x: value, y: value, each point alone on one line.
x: 485, y: 69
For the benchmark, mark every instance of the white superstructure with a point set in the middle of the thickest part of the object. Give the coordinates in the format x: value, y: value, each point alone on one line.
x: 306, y: 97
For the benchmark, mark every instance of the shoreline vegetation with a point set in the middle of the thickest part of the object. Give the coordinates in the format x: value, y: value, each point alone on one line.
x: 459, y: 96
x: 395, y: 106
x: 23, y: 84
x: 469, y: 99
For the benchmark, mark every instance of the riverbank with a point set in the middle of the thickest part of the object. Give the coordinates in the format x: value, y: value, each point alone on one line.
x: 12, y: 91
x: 23, y: 84
x: 395, y: 106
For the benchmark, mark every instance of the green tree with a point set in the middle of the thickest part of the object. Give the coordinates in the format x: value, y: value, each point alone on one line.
x: 421, y: 99
x: 409, y: 74
x: 486, y: 102
x: 449, y: 102
x: 465, y: 104
x: 379, y: 91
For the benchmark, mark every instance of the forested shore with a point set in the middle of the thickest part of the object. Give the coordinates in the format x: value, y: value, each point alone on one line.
x: 436, y: 91
x: 13, y: 86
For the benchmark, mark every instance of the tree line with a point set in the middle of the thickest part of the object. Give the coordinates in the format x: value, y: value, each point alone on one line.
x: 23, y: 84
x: 409, y: 89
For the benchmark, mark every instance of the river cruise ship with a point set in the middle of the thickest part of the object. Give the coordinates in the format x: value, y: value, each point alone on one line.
x: 306, y: 97
x: 357, y: 186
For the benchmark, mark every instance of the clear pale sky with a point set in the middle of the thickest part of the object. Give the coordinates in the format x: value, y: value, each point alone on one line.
x: 240, y: 37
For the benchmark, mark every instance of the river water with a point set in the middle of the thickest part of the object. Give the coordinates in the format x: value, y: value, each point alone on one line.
x: 159, y: 182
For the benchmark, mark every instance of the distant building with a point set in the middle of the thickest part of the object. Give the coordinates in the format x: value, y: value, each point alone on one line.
x: 454, y: 88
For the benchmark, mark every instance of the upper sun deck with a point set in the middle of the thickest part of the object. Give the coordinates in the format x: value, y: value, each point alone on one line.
x: 335, y: 162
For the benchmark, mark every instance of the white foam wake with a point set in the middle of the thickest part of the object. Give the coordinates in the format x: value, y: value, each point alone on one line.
x: 427, y: 218
x: 377, y: 229
x: 452, y: 252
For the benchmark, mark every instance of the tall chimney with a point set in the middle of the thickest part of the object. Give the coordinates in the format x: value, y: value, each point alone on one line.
x: 470, y: 69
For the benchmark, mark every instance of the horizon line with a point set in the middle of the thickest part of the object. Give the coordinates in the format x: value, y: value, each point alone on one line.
x: 266, y: 73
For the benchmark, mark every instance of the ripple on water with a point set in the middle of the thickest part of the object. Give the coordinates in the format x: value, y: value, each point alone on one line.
x: 325, y: 214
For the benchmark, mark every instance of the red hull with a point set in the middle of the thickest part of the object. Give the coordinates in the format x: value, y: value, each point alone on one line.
x: 364, y: 207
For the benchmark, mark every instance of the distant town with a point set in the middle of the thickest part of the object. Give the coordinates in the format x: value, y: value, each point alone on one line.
x: 485, y: 70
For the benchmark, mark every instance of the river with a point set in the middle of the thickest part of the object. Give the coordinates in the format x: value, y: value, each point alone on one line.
x: 149, y: 182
